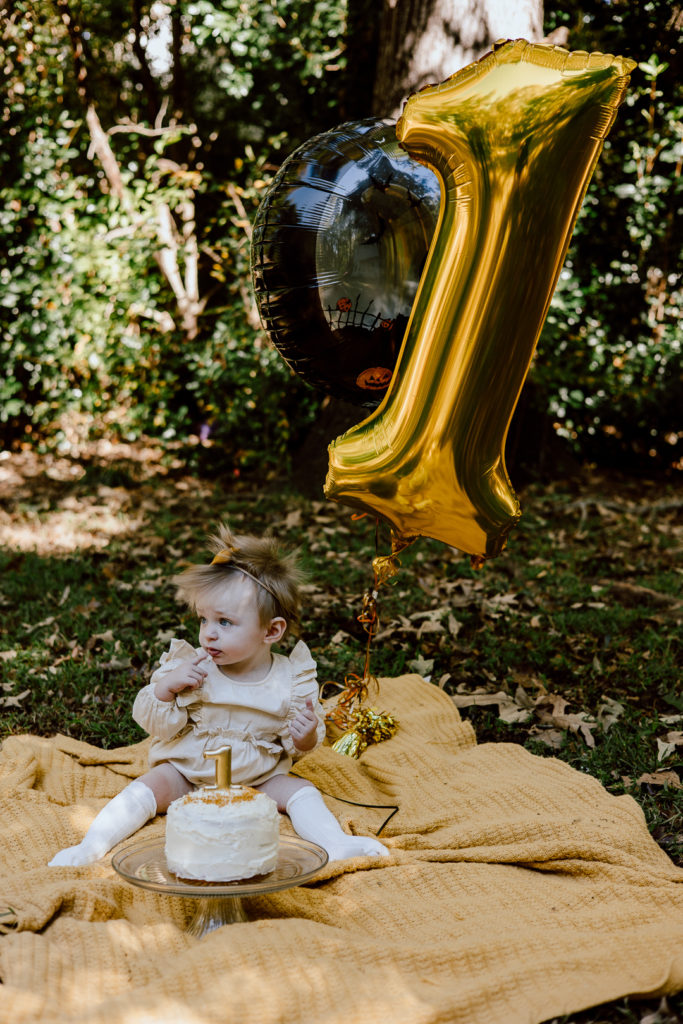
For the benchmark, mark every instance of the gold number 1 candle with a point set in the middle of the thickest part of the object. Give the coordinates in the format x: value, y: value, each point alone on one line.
x: 514, y: 140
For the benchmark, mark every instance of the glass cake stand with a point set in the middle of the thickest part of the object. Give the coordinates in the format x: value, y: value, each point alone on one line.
x: 143, y: 863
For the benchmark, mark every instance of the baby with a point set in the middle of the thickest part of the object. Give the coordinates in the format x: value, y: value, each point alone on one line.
x: 233, y: 689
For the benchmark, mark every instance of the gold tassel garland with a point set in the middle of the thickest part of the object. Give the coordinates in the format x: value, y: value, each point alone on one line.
x: 369, y: 726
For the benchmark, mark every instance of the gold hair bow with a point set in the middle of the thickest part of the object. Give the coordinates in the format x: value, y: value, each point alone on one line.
x: 224, y: 555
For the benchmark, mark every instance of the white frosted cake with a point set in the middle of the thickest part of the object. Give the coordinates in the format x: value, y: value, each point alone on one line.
x: 221, y: 835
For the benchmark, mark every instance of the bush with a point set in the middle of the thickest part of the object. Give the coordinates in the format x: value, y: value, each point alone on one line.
x: 90, y: 327
x: 608, y: 368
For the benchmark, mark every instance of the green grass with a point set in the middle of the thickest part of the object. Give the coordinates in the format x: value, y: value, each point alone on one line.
x: 584, y: 604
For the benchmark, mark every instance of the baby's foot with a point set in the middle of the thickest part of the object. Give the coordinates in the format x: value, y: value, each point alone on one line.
x: 125, y: 814
x: 75, y: 856
x: 313, y: 821
x: 343, y: 847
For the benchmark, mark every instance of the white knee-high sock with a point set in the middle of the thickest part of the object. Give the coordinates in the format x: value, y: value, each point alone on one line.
x: 125, y: 814
x: 313, y: 821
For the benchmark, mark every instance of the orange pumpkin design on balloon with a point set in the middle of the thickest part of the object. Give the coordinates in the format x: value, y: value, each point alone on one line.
x: 375, y: 378
x: 344, y: 305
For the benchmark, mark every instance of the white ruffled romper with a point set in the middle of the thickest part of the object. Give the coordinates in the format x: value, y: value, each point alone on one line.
x: 253, y: 718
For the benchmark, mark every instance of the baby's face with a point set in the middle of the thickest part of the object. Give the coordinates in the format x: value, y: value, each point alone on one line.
x: 230, y: 628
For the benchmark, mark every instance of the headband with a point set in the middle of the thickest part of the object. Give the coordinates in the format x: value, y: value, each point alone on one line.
x: 225, y: 556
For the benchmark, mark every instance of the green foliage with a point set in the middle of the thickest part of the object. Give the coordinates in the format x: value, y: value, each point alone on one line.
x: 609, y: 361
x: 92, y: 325
x: 267, y: 66
x: 70, y: 309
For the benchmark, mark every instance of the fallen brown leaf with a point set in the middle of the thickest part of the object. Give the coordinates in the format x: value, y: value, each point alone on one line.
x: 635, y: 594
x: 549, y: 713
x: 454, y: 626
x: 508, y: 709
x: 661, y: 777
x: 547, y: 708
x: 498, y: 604
x: 553, y: 738
x: 115, y: 664
x: 106, y: 637
x: 423, y: 666
x: 609, y: 712
x: 292, y: 520
x: 668, y: 745
x: 86, y: 609
x: 164, y: 636
x: 14, y: 701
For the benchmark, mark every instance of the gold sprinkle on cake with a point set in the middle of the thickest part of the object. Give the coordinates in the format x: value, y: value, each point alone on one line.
x: 221, y: 797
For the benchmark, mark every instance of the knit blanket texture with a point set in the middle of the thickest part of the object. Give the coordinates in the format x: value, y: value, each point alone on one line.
x: 517, y: 890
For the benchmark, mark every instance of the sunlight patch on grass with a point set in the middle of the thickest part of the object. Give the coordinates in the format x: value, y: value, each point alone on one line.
x: 64, y: 530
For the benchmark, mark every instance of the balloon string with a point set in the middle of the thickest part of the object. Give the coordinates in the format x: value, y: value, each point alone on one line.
x: 369, y: 617
x: 356, y: 687
x: 394, y: 808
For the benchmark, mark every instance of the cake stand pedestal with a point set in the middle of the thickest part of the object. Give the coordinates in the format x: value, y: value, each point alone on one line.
x: 143, y: 863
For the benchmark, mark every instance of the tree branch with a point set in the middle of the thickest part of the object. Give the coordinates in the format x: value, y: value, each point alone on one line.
x: 141, y: 129
x: 186, y: 291
x: 99, y: 145
x: 245, y: 223
x: 246, y: 293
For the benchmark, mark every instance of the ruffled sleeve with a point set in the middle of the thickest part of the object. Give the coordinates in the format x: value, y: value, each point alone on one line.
x: 304, y: 686
x: 178, y: 652
x: 160, y: 718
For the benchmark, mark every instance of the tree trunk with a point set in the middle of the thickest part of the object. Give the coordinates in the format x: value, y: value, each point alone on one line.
x: 423, y: 42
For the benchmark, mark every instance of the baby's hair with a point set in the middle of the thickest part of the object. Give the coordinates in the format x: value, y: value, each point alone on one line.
x: 275, y: 574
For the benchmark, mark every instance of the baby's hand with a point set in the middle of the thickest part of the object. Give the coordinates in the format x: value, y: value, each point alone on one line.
x: 187, y: 676
x: 303, y: 729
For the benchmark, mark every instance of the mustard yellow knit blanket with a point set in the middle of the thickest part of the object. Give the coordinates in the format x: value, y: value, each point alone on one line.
x: 517, y: 890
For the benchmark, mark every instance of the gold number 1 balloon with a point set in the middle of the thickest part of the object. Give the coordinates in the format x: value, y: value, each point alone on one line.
x: 514, y: 140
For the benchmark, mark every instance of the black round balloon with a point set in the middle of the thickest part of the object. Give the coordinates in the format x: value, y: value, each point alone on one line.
x: 339, y: 243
